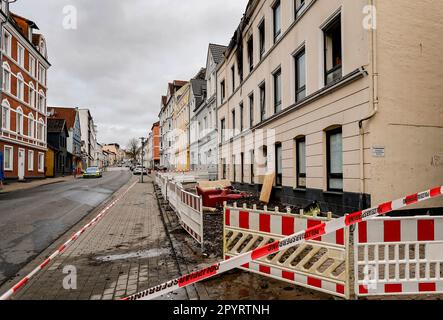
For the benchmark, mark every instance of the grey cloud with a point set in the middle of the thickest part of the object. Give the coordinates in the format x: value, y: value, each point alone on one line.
x: 119, y: 60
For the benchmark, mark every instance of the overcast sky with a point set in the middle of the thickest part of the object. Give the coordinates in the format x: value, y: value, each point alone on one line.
x: 120, y: 58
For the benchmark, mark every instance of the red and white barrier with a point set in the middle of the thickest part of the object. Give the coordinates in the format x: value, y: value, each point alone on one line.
x: 63, y: 247
x: 288, y: 242
x: 399, y: 256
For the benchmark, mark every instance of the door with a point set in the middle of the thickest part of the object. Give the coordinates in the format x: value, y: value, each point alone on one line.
x: 21, y: 164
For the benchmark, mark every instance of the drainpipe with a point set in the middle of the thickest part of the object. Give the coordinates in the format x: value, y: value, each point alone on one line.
x: 375, y: 103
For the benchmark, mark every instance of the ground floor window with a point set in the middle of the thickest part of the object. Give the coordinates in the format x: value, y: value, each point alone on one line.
x: 41, y: 162
x: 278, y: 165
x: 252, y: 166
x: 30, y: 160
x: 300, y: 145
x: 242, y: 170
x: 8, y: 163
x: 234, y: 169
x: 335, y: 159
x: 223, y: 169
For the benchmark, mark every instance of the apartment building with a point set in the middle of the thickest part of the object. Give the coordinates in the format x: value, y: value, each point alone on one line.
x: 181, y: 126
x: 23, y: 141
x: 168, y: 102
x: 205, y: 118
x: 341, y: 99
x: 90, y: 152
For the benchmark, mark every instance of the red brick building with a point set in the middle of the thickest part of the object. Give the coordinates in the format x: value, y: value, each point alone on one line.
x: 23, y: 138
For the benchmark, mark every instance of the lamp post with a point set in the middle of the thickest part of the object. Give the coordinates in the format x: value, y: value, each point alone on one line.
x: 143, y: 151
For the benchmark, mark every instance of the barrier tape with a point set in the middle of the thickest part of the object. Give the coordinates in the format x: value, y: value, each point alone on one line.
x: 286, y: 243
x: 63, y: 247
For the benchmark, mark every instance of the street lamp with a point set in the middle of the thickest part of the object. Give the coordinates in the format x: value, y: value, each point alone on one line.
x: 142, y: 150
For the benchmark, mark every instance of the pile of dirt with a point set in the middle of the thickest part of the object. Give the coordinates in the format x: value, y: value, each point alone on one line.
x: 213, y: 234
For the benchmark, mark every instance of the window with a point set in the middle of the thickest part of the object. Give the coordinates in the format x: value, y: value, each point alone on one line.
x: 32, y: 65
x: 234, y: 169
x: 262, y: 102
x: 277, y: 20
x: 277, y: 91
x: 242, y: 168
x: 300, y: 76
x: 31, y: 125
x: 251, y: 53
x: 300, y: 146
x: 262, y: 38
x: 299, y: 5
x: 233, y: 78
x: 251, y: 110
x: 41, y: 162
x: 20, y: 87
x: 40, y: 128
x: 252, y: 166
x: 42, y: 103
x: 333, y: 51
x: 7, y: 43
x: 30, y: 160
x: 241, y: 117
x: 278, y: 165
x: 19, y: 121
x: 6, y: 78
x: 335, y: 160
x: 20, y: 56
x: 233, y: 121
x: 223, y: 129
x: 6, y: 115
x: 223, y: 90
x: 8, y: 163
x: 42, y: 74
x: 31, y: 95
x: 223, y: 169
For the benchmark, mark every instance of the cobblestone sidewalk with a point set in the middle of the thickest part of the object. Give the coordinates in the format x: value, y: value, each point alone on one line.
x: 127, y: 251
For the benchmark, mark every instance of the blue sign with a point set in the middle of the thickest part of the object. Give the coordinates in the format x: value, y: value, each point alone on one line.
x: 2, y: 175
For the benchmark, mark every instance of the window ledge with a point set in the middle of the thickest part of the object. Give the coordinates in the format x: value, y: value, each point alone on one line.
x: 334, y: 193
x: 300, y: 189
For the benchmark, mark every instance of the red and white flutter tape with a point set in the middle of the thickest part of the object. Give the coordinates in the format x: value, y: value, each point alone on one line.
x: 288, y: 242
x: 63, y: 247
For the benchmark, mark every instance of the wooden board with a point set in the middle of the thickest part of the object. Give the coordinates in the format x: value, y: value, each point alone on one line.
x: 214, y: 184
x: 266, y: 190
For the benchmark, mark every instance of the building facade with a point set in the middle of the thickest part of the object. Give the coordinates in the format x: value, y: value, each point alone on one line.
x: 181, y: 128
x: 57, y: 140
x: 116, y: 155
x: 89, y: 139
x: 315, y: 93
x: 23, y: 97
x: 74, y: 142
x: 152, y: 148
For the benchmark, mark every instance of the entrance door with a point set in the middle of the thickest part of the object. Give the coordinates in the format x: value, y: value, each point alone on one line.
x: 21, y: 164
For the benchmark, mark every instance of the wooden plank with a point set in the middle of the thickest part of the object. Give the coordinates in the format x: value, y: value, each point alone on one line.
x: 266, y: 190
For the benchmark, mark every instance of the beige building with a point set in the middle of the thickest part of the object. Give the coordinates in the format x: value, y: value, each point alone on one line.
x: 181, y: 125
x: 116, y: 154
x: 343, y: 99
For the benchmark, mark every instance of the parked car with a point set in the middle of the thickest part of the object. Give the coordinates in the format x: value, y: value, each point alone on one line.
x: 92, y: 172
x: 140, y: 170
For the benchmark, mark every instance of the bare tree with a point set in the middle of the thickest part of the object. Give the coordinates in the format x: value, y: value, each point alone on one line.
x: 133, y: 149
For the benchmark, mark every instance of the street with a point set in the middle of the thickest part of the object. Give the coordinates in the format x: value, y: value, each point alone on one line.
x: 30, y: 220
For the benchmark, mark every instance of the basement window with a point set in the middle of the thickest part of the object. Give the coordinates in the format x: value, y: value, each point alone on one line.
x: 333, y: 51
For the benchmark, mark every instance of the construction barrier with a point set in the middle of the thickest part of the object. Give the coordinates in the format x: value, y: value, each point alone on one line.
x: 397, y: 256
x: 321, y: 264
x: 314, y: 232
x: 63, y: 247
x: 187, y: 206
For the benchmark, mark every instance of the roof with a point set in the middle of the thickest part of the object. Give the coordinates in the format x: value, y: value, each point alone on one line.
x: 198, y: 86
x: 67, y: 114
x: 217, y: 52
x: 56, y: 125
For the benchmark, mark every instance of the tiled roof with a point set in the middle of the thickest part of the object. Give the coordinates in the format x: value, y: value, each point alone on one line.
x: 217, y: 52
x: 67, y: 114
x: 55, y: 125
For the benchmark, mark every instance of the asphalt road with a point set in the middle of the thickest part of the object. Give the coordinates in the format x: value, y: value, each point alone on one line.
x: 31, y: 220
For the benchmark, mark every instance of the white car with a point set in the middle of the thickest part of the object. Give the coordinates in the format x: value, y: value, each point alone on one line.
x: 139, y: 170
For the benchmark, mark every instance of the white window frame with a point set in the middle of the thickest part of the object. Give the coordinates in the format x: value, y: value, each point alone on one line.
x: 30, y: 160
x: 42, y: 74
x: 11, y: 158
x: 31, y: 95
x: 19, y: 120
x: 41, y: 164
x: 20, y: 87
x: 41, y: 103
x: 31, y: 126
x: 6, y: 84
x: 20, y: 55
x: 6, y: 105
x: 8, y: 51
x: 41, y: 135
x: 32, y: 65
